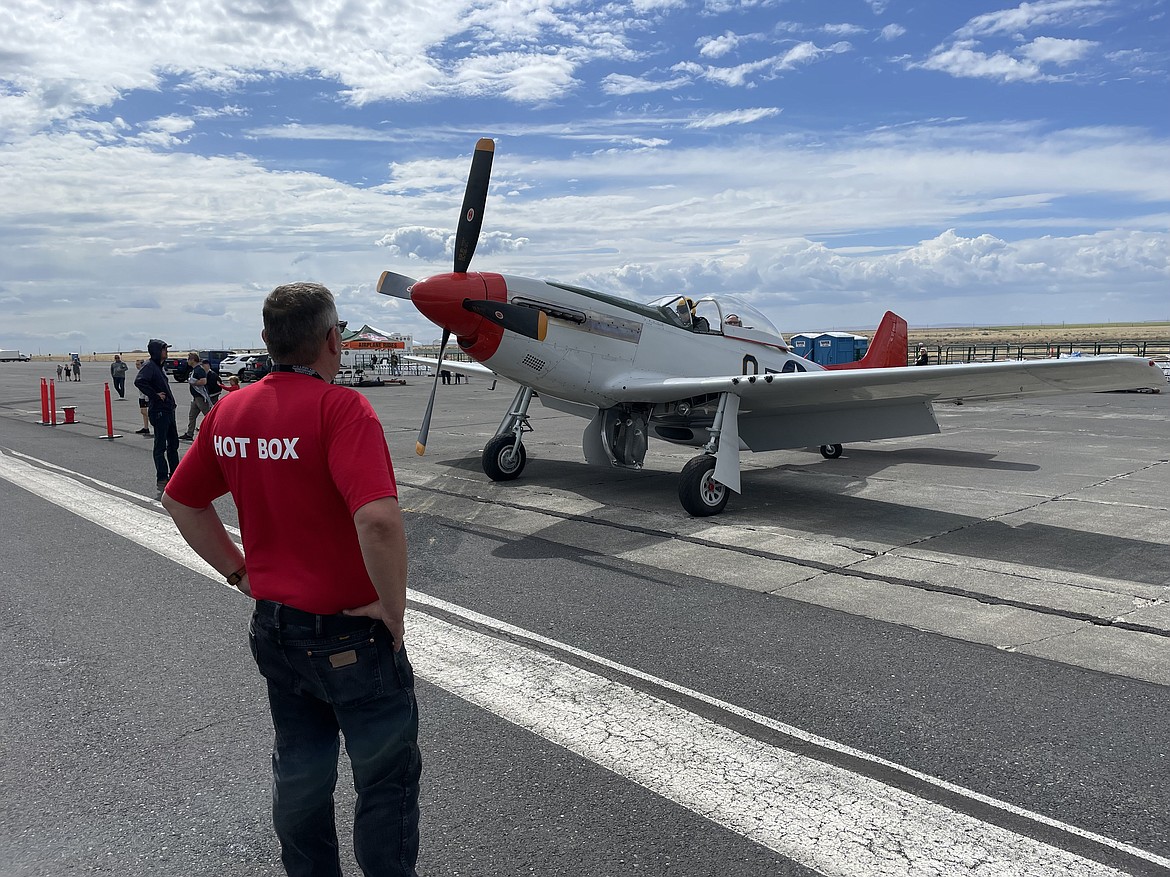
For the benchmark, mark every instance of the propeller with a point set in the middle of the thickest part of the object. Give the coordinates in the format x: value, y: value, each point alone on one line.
x: 397, y: 285
x: 420, y: 446
x: 474, y: 199
x: 530, y: 322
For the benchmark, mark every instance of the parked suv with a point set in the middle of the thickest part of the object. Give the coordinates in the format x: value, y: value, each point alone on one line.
x: 181, y: 369
x: 236, y: 363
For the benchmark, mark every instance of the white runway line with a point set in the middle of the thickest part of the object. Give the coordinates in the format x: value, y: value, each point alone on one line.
x: 825, y: 817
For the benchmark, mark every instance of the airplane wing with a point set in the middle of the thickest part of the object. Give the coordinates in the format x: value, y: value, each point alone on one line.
x: 829, y: 407
x: 964, y: 382
x: 466, y: 368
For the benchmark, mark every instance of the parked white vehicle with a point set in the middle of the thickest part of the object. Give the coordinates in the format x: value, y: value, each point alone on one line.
x: 237, y: 361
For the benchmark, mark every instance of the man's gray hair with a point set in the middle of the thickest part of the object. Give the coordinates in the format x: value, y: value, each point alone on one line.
x: 297, y: 319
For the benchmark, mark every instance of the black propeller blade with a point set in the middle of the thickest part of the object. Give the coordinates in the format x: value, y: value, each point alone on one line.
x: 474, y: 199
x: 530, y: 322
x: 397, y: 285
x: 420, y: 447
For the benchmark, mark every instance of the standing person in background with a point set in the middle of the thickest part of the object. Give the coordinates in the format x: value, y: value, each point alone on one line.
x: 118, y: 371
x: 200, y: 400
x: 77, y: 369
x: 143, y: 402
x: 307, y: 465
x: 214, y: 384
x: 923, y: 356
x: 153, y: 384
x: 59, y: 370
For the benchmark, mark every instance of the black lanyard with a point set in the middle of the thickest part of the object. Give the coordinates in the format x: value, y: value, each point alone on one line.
x: 299, y: 369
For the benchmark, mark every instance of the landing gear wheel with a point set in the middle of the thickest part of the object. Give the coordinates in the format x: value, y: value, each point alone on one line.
x: 831, y: 452
x: 503, y: 460
x: 698, y: 491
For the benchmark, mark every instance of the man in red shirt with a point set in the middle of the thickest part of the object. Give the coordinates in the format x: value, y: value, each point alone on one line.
x: 307, y: 465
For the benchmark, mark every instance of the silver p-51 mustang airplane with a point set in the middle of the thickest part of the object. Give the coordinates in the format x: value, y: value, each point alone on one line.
x: 707, y: 371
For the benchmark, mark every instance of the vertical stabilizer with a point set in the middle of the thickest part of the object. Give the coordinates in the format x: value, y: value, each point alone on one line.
x: 889, y: 348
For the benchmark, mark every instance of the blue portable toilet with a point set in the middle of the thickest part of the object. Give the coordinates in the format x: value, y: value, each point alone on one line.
x: 801, y: 345
x: 834, y: 348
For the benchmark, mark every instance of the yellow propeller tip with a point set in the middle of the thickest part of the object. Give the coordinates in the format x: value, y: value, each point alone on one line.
x: 420, y: 448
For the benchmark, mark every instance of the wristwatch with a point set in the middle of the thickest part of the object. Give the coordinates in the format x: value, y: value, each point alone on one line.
x: 238, y: 576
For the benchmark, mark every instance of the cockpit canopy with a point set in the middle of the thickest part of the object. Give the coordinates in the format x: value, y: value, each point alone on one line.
x: 711, y: 313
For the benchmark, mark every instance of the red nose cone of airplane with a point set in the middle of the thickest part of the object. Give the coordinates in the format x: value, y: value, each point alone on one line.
x: 440, y: 299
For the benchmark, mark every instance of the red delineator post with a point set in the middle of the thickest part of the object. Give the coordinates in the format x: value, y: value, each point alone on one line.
x: 109, y: 418
x: 44, y: 402
x: 52, y: 402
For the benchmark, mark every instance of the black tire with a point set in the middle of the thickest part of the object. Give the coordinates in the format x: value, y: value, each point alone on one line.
x: 500, y: 463
x: 698, y: 491
x: 831, y: 452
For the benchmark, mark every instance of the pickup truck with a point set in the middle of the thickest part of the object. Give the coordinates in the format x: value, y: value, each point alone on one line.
x: 180, y: 369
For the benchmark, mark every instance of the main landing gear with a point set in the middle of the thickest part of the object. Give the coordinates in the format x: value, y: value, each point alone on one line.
x: 831, y: 452
x: 504, y: 455
x: 698, y: 491
x: 504, y: 458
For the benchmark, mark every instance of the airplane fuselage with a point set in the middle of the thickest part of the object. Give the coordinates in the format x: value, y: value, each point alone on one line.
x: 596, y: 343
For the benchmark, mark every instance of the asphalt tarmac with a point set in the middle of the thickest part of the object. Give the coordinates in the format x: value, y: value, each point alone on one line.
x: 969, y: 631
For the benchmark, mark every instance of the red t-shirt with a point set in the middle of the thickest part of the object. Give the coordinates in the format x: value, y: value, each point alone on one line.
x: 300, y: 457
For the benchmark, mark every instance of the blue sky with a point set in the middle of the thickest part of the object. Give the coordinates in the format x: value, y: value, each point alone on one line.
x: 167, y: 163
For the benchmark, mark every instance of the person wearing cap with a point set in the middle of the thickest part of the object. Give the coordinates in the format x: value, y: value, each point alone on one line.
x: 152, y: 382
x: 324, y: 559
x: 923, y: 356
x: 214, y: 384
x: 200, y: 398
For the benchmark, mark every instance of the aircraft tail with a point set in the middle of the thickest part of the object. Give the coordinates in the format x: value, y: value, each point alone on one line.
x: 889, y: 348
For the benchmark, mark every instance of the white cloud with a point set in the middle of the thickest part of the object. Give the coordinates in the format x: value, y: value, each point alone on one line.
x: 717, y: 47
x: 621, y: 84
x: 734, y: 117
x: 964, y: 60
x: 1028, y: 16
x: 525, y: 51
x: 519, y: 77
x: 891, y: 32
x: 843, y: 30
x: 417, y: 242
x: 1050, y: 50
x: 749, y: 73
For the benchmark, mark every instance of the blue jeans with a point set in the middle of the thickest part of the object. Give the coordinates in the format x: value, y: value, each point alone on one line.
x: 331, y: 673
x: 166, y: 442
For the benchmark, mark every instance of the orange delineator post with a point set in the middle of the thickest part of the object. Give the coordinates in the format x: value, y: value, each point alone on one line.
x: 44, y: 402
x: 109, y: 417
x: 52, y: 402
